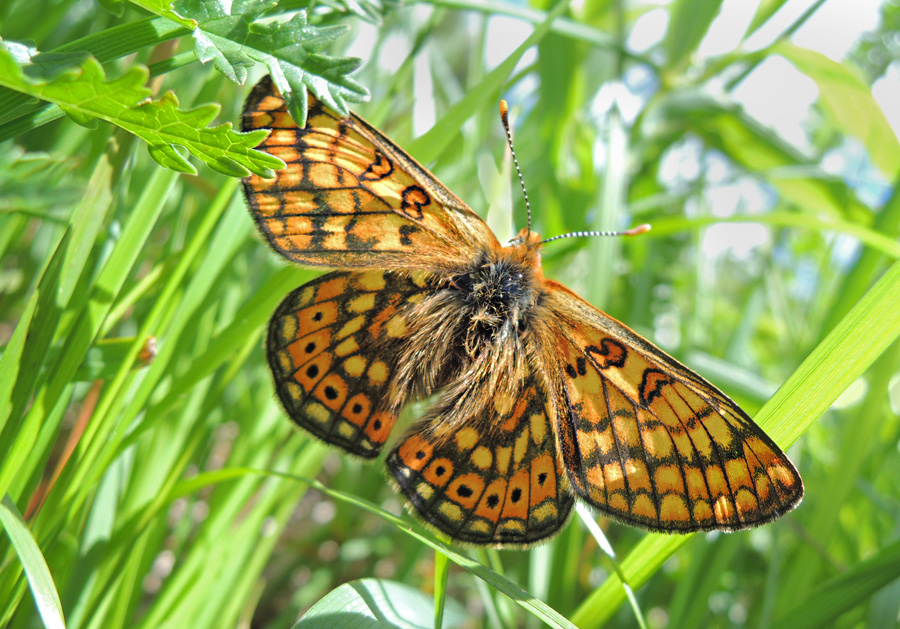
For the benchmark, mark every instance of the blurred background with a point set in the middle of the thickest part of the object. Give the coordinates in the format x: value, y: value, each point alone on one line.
x: 759, y: 138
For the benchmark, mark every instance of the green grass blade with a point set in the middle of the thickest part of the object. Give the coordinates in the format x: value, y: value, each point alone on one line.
x: 39, y: 578
x: 430, y: 145
x: 411, y: 528
x: 688, y: 24
x: 846, y: 98
x: 108, y: 284
x: 877, y: 242
x: 842, y: 593
x: 441, y: 574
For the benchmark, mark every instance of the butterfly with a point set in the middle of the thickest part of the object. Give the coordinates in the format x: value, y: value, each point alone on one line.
x: 539, y: 398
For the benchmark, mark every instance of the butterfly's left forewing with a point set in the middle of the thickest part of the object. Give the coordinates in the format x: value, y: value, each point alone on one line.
x: 650, y: 442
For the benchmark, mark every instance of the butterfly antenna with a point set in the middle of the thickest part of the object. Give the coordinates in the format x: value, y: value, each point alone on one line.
x: 634, y: 231
x: 504, y: 117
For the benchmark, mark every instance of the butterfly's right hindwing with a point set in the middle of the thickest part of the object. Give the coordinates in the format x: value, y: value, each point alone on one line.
x: 330, y: 346
x: 494, y: 480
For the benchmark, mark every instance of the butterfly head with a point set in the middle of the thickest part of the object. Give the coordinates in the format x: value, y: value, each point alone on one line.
x: 527, y: 238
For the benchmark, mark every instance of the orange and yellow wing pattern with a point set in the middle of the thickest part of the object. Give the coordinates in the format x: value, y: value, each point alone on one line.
x: 329, y: 348
x: 650, y: 442
x: 495, y: 480
x: 349, y: 197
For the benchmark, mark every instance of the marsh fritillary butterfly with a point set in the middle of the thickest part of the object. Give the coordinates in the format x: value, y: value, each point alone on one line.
x: 540, y: 397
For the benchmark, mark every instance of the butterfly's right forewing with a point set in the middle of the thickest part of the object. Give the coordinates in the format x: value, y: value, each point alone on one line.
x: 653, y: 444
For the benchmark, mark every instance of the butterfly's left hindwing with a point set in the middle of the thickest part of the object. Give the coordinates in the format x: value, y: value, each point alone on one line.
x: 650, y: 442
x: 330, y: 348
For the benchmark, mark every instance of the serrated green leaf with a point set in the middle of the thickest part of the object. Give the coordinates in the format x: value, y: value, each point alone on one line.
x: 233, y: 39
x: 86, y: 93
x: 38, y: 65
x: 164, y: 8
x: 111, y: 43
x: 216, y: 37
x: 369, y: 10
x: 80, y: 118
x: 169, y: 157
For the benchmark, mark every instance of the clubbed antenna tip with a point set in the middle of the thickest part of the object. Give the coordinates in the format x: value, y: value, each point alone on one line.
x: 634, y: 231
x: 504, y: 118
x: 640, y: 229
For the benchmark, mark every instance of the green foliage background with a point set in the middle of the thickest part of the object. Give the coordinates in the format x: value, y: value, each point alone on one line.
x: 144, y: 490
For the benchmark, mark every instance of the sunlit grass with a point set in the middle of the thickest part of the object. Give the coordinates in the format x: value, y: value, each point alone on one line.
x: 168, y: 488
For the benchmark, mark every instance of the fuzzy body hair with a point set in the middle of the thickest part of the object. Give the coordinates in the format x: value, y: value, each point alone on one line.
x: 472, y: 340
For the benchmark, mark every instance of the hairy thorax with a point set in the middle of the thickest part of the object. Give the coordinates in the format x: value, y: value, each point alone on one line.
x: 471, y: 336
x: 496, y: 296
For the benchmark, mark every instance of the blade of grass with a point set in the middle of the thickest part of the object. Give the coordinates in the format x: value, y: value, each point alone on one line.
x: 573, y: 29
x: 430, y: 145
x: 848, y: 101
x: 22, y: 369
x: 877, y: 242
x: 863, y: 273
x: 441, y: 573
x: 301, y: 456
x: 95, y: 447
x: 689, y: 22
x: 587, y: 517
x: 107, y: 286
x: 859, y: 437
x: 842, y: 593
x: 39, y: 578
